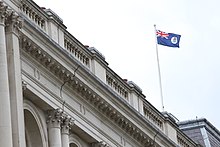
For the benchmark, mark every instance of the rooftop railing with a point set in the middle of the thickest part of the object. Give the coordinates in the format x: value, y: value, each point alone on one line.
x: 117, y: 85
x: 33, y: 15
x: 182, y: 141
x: 153, y: 116
x: 76, y: 51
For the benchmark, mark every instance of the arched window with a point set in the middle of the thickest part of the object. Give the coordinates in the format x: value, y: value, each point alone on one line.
x: 73, y: 145
x: 75, y: 141
x: 34, y: 133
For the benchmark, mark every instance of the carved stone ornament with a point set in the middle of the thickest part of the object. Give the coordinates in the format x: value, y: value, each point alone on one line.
x: 13, y: 22
x: 66, y: 123
x: 4, y: 13
x: 55, y: 117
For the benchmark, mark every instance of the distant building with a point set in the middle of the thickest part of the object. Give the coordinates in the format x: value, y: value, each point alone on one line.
x: 202, y: 132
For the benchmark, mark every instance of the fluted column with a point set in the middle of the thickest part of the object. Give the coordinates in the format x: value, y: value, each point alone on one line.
x: 5, y: 111
x: 13, y: 26
x: 54, y: 121
x: 65, y: 127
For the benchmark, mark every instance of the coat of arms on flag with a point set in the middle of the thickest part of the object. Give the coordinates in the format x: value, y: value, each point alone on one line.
x: 168, y: 39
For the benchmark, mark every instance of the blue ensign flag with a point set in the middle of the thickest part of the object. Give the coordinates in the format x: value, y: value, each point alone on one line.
x: 168, y: 39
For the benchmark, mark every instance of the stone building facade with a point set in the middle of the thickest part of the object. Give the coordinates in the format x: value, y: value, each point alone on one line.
x: 201, y: 131
x: 56, y: 92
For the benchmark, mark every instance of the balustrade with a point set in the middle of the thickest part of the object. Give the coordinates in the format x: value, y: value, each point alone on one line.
x: 156, y: 119
x: 33, y: 15
x: 182, y: 142
x: 117, y: 86
x: 76, y: 52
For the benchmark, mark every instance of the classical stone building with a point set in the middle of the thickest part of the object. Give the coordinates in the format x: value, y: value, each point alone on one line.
x: 56, y: 92
x: 201, y: 131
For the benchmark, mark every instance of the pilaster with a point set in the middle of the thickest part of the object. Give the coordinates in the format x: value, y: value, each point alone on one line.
x: 55, y: 118
x: 13, y: 25
x: 5, y: 111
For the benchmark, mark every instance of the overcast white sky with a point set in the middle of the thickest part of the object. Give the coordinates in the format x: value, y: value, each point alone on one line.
x: 122, y: 30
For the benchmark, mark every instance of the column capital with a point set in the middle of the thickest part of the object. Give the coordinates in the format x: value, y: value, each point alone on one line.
x: 4, y: 13
x: 66, y: 123
x: 55, y: 118
x: 13, y: 23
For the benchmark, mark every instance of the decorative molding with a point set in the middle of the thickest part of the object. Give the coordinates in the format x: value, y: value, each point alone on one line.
x: 67, y: 122
x: 4, y: 12
x: 13, y: 23
x: 59, y: 119
x: 55, y: 118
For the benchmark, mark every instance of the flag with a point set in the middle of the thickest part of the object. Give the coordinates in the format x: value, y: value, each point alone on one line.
x: 168, y: 39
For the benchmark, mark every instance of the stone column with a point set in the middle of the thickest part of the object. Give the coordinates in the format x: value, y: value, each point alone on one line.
x: 13, y: 26
x: 5, y: 111
x: 54, y: 121
x: 67, y: 122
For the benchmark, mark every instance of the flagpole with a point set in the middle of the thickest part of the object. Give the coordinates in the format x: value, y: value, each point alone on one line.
x: 159, y: 73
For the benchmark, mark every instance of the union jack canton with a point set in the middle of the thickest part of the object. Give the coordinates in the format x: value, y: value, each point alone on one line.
x: 168, y: 39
